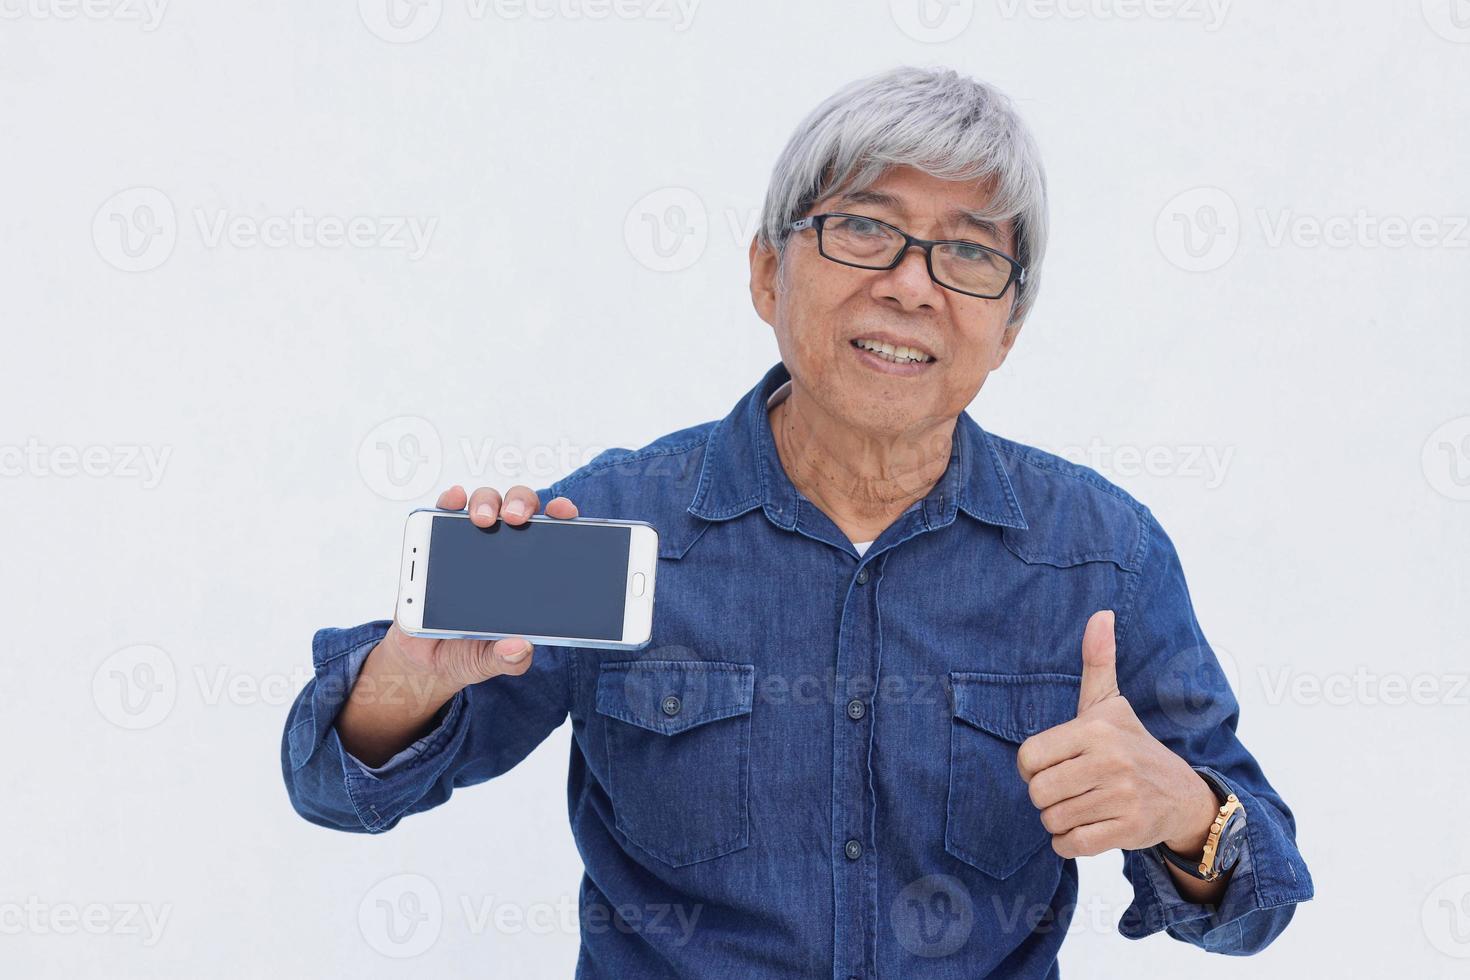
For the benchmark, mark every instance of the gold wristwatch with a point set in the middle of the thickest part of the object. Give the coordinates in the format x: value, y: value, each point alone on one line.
x: 1222, y: 846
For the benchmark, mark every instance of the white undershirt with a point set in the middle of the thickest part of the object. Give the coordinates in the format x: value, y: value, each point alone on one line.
x: 779, y: 395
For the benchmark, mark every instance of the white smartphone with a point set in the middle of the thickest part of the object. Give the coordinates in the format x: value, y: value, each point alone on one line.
x: 582, y: 582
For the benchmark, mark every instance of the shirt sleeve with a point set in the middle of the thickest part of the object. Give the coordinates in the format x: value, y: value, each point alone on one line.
x: 1179, y: 691
x: 481, y: 732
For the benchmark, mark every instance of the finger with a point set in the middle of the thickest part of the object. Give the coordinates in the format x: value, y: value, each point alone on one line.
x: 1065, y: 780
x: 1094, y: 806
x: 1089, y: 839
x: 561, y: 507
x: 1045, y: 749
x: 1099, y: 661
x: 451, y: 499
x: 520, y: 504
x: 485, y: 506
x: 513, y: 655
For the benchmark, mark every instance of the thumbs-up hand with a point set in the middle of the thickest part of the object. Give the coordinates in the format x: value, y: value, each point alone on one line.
x: 1101, y: 780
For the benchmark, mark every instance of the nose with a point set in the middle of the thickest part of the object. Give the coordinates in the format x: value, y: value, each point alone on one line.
x: 908, y: 283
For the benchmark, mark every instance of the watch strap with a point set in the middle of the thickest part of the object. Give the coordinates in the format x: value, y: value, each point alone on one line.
x: 1207, y: 867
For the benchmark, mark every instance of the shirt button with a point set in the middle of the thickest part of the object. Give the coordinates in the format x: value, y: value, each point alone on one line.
x: 856, y: 709
x: 863, y: 575
x: 671, y: 705
x: 853, y: 849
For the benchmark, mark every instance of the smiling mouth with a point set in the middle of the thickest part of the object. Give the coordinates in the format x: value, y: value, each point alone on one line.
x: 895, y: 355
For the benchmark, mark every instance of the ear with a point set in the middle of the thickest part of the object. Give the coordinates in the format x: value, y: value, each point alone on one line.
x: 764, y: 268
x: 1007, y: 341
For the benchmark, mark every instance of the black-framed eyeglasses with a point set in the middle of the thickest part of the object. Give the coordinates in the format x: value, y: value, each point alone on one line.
x: 867, y: 243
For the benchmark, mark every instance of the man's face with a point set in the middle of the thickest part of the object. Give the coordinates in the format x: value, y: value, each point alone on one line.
x: 826, y: 307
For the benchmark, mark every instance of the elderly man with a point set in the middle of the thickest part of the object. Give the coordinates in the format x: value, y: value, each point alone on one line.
x: 918, y: 669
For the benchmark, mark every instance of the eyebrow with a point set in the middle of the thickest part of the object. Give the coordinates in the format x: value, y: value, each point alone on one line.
x: 965, y: 216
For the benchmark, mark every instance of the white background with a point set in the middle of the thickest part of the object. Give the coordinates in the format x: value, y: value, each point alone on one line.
x: 1325, y: 548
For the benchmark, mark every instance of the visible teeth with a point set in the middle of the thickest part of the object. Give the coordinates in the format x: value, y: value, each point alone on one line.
x: 896, y: 354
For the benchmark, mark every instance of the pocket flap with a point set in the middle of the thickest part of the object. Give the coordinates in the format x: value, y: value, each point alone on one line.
x: 1014, y: 706
x: 672, y: 696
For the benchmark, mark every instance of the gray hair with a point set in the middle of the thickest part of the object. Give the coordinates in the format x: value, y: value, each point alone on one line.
x: 933, y: 119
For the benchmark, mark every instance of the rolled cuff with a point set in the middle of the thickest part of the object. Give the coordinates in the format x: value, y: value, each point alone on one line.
x: 1264, y: 887
x: 328, y: 784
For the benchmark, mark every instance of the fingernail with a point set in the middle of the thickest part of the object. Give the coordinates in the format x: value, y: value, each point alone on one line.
x: 517, y: 652
x: 515, y: 508
x: 483, y: 511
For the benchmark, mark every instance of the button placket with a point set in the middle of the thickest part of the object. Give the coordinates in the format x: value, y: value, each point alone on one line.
x: 856, y: 914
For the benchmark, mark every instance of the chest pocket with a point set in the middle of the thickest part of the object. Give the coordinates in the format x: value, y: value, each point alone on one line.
x: 678, y: 751
x: 991, y: 822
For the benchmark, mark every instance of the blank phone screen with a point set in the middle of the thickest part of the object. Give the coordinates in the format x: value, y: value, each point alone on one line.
x: 542, y: 578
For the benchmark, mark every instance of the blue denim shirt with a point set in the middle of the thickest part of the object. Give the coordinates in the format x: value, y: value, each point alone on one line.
x: 811, y: 770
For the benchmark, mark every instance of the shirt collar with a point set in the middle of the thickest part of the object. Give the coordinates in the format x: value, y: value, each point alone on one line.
x: 742, y: 471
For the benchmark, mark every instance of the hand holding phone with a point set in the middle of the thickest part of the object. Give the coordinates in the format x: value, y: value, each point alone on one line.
x: 460, y: 662
x: 434, y: 669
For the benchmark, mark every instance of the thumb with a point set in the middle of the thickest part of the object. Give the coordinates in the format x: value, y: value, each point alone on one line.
x: 1099, y: 661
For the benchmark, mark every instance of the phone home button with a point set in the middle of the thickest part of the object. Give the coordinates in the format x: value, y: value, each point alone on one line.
x: 640, y: 582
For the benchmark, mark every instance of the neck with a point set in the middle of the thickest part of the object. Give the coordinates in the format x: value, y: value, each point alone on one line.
x: 861, y: 481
